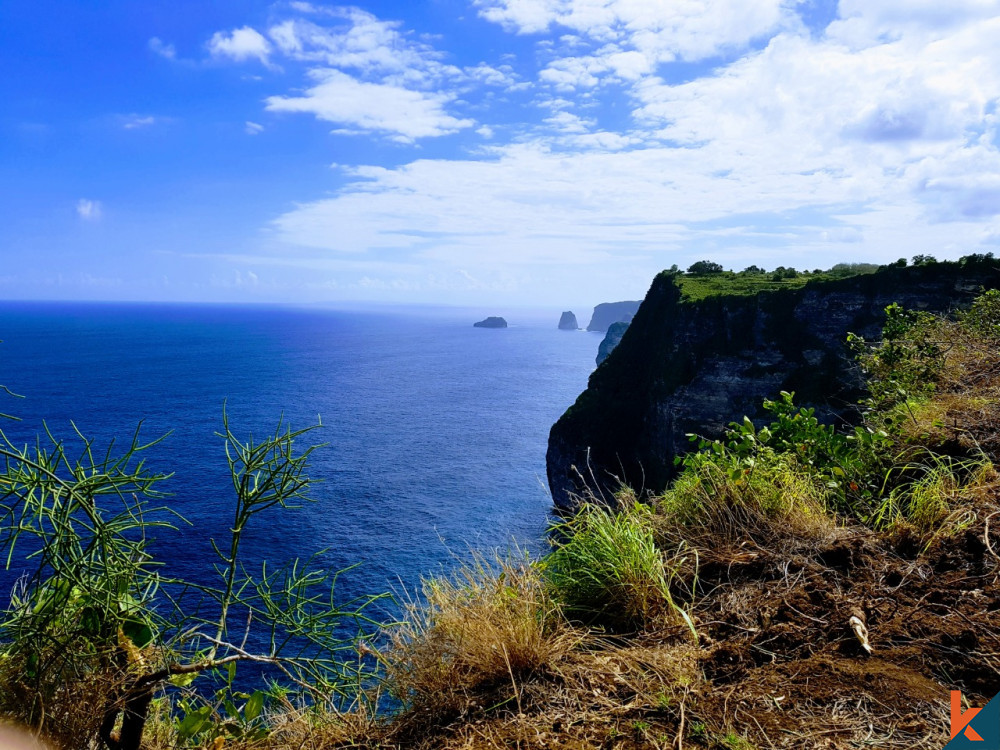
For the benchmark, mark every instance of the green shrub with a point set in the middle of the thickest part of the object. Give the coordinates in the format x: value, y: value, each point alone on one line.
x: 101, y: 627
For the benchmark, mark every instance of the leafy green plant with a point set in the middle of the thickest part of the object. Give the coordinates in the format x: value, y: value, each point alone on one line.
x: 847, y: 464
x: 100, y: 617
x: 907, y: 360
x: 229, y: 713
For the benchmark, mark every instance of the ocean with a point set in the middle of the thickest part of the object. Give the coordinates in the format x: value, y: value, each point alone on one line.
x: 436, y: 431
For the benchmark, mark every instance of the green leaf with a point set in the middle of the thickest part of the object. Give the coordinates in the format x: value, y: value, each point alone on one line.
x: 194, y: 722
x: 138, y: 632
x: 254, y: 706
x: 182, y: 680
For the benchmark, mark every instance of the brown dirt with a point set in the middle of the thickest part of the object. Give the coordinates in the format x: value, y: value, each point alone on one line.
x: 777, y: 664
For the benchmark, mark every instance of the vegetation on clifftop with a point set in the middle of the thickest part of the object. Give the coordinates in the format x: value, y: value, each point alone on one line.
x: 796, y: 585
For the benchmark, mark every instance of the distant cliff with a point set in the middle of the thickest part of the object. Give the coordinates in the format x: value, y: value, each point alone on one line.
x: 491, y: 322
x: 692, y: 367
x: 607, y: 313
x: 567, y: 321
x: 611, y: 340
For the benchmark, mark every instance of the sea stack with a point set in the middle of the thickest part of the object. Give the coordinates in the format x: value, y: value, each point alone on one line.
x: 568, y: 322
x: 491, y: 322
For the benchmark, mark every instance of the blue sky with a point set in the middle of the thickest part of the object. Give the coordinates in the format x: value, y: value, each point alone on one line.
x: 484, y: 151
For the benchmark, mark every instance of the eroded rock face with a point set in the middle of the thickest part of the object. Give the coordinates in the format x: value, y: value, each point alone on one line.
x: 607, y: 313
x: 567, y: 321
x: 694, y: 367
x: 491, y: 322
x: 611, y: 339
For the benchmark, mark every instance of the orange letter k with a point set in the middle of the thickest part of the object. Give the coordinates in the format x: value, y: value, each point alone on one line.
x: 959, y: 720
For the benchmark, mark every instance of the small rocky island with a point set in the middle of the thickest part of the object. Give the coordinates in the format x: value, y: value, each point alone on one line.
x: 491, y: 322
x: 567, y: 322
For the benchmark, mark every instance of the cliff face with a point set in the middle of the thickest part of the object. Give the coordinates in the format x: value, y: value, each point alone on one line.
x: 607, y: 313
x: 611, y: 340
x: 693, y: 367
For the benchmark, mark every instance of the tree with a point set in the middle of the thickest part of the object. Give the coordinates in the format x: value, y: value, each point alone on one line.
x: 702, y: 267
x: 101, y: 620
x: 924, y: 260
x: 781, y: 272
x: 753, y: 270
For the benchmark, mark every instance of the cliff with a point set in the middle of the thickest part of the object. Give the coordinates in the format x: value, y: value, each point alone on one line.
x: 491, y: 322
x: 567, y: 321
x: 607, y: 313
x: 692, y: 367
x: 611, y: 340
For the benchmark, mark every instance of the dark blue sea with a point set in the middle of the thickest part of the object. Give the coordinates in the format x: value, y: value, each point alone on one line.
x: 436, y: 431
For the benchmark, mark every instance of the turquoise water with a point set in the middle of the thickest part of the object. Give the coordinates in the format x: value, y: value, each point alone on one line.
x: 436, y: 430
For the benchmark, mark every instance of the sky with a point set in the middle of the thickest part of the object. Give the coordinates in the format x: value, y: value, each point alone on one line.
x: 484, y: 152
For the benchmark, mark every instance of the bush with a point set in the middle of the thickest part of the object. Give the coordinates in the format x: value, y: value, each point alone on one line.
x: 703, y: 267
x: 723, y: 497
x: 100, y: 628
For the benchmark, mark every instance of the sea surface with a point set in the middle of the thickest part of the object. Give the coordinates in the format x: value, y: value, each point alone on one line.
x: 435, y: 431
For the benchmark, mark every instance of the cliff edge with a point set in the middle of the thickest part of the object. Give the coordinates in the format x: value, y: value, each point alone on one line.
x: 692, y: 367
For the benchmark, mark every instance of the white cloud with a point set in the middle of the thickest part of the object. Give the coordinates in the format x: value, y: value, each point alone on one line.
x: 876, y: 138
x: 502, y: 76
x: 253, y: 128
x: 157, y: 46
x: 567, y: 122
x: 399, y: 112
x: 88, y: 210
x: 659, y: 30
x: 134, y: 121
x: 356, y: 40
x: 240, y: 44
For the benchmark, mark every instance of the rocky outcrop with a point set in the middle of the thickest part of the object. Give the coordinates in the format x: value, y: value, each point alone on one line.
x: 692, y: 367
x: 567, y: 322
x: 491, y: 322
x: 611, y: 339
x: 607, y: 313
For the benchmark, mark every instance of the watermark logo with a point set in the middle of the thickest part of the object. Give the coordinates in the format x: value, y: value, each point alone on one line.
x: 960, y: 720
x: 974, y: 727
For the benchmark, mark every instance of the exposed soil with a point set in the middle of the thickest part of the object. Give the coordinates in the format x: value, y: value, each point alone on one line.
x: 778, y: 664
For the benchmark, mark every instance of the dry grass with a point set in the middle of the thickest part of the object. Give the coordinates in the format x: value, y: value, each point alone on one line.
x: 770, y: 503
x: 475, y: 640
x: 66, y: 702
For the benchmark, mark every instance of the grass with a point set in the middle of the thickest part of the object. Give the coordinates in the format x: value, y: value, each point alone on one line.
x: 607, y: 570
x: 480, y: 632
x: 932, y: 499
x: 699, y: 286
x: 724, y: 500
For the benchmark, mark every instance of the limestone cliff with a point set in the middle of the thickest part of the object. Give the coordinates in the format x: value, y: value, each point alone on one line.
x: 692, y: 367
x: 607, y: 313
x: 611, y: 339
